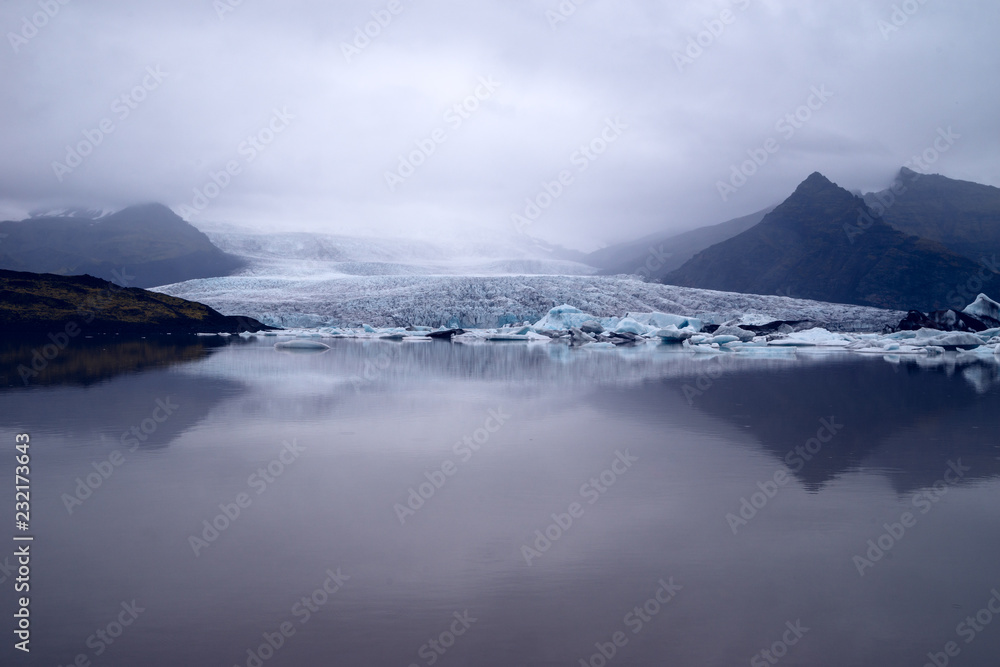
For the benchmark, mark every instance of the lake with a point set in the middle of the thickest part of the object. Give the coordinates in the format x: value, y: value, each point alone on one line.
x: 220, y: 502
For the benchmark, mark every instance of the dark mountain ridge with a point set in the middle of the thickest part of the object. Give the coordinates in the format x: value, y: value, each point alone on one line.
x: 961, y: 215
x: 811, y: 246
x: 139, y: 246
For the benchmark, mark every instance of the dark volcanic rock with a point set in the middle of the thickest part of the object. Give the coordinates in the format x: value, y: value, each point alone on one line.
x: 39, y: 303
x: 942, y: 320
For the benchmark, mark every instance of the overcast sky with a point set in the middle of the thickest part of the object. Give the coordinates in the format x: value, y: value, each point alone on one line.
x: 183, y: 85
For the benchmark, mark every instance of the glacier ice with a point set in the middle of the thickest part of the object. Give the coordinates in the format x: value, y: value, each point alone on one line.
x: 983, y: 306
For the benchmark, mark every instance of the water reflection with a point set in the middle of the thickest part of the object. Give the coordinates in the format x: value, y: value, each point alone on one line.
x: 374, y: 418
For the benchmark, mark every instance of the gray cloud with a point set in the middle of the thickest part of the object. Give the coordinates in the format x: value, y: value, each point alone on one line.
x: 688, y: 121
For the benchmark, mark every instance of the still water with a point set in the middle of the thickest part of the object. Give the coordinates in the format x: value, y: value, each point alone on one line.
x: 395, y: 504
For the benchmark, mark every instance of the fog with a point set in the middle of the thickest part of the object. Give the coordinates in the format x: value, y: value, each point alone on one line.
x: 616, y: 118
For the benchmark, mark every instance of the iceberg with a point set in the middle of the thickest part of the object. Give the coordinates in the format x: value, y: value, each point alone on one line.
x: 671, y: 334
x: 984, y: 308
x: 742, y: 334
x: 563, y: 317
x: 630, y: 325
x: 663, y: 320
x: 953, y: 341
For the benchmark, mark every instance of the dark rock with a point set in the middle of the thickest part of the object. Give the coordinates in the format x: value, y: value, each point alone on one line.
x: 942, y: 320
x: 446, y: 334
x: 32, y: 303
x: 779, y: 326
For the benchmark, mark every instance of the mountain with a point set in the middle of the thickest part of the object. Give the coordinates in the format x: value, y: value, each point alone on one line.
x: 140, y: 246
x: 962, y: 216
x: 812, y: 246
x: 69, y: 306
x: 656, y: 255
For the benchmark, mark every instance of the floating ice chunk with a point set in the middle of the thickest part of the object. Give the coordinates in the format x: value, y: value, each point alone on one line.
x: 369, y: 329
x: 722, y: 340
x: 671, y: 333
x: 663, y: 320
x: 820, y: 336
x: 629, y: 325
x: 983, y: 306
x: 301, y: 344
x: 953, y: 340
x: 562, y: 318
x: 728, y: 330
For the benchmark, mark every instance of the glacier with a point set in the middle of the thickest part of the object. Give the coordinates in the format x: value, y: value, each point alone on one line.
x: 500, y: 291
x: 496, y: 301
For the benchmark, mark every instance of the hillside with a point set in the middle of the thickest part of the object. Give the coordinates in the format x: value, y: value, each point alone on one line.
x: 656, y: 255
x: 962, y: 216
x: 802, y: 248
x: 32, y: 303
x: 140, y: 246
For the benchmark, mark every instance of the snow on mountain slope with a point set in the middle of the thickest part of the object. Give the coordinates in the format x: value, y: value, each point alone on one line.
x: 311, y: 254
x: 491, y: 301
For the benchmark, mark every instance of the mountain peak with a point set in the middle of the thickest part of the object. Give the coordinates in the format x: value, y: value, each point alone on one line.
x: 816, y: 202
x: 816, y: 182
x: 814, y: 246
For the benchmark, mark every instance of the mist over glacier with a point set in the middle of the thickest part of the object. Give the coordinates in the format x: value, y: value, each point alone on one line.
x: 475, y: 280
